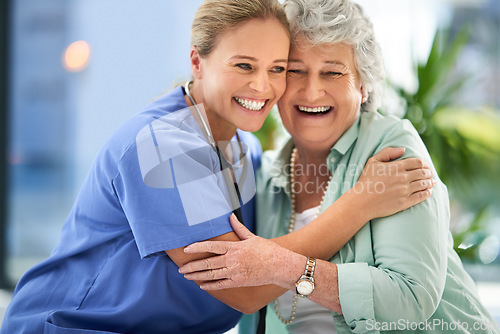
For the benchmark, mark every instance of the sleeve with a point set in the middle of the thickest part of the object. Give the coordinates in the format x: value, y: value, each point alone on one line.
x: 171, y: 190
x: 406, y: 281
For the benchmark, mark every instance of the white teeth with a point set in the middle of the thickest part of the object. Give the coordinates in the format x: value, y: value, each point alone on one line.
x: 250, y: 105
x: 314, y: 110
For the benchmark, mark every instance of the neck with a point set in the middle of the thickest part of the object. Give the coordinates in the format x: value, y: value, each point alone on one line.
x: 222, y: 131
x: 311, y: 156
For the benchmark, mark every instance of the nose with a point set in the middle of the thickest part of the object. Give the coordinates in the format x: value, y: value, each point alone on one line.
x: 314, y: 88
x: 260, y: 82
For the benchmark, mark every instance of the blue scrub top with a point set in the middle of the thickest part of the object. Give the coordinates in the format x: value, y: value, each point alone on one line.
x: 155, y: 185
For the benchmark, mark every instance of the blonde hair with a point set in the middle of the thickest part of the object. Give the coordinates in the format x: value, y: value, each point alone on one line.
x: 215, y: 17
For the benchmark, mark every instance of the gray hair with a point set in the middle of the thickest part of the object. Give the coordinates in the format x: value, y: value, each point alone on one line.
x: 336, y: 21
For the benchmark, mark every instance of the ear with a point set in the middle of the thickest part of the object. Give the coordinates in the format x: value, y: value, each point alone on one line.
x: 195, y: 62
x: 364, y: 95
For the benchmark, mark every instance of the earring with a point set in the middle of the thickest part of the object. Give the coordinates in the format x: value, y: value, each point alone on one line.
x: 364, y: 99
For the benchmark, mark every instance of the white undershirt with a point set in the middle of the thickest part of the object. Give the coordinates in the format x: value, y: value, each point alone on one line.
x: 310, y: 317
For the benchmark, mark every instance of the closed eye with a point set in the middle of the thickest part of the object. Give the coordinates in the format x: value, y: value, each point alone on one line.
x: 332, y: 73
x: 292, y: 71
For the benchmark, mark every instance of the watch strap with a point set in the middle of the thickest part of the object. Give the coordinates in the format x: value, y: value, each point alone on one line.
x: 310, y: 266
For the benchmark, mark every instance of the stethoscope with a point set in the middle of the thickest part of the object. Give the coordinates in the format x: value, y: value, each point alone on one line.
x: 225, y: 166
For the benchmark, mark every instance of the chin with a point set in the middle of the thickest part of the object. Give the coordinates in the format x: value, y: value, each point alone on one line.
x: 251, y: 126
x: 315, y: 140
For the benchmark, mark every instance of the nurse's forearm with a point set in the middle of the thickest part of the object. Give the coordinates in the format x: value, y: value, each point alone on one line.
x: 244, y: 299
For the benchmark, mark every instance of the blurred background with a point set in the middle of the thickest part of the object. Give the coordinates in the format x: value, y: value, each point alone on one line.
x: 73, y: 71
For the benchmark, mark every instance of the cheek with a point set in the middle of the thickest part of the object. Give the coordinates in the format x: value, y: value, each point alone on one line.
x: 354, y: 89
x: 229, y: 80
x: 352, y: 97
x: 351, y: 110
x: 292, y: 87
x: 285, y: 102
x: 349, y: 103
x: 284, y: 109
x: 280, y: 86
x: 228, y: 83
x: 355, y: 101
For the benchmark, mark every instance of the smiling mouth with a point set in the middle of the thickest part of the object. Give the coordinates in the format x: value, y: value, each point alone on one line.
x: 252, y: 105
x: 314, y: 110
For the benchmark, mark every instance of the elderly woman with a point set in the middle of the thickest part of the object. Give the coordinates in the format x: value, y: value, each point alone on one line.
x: 398, y: 273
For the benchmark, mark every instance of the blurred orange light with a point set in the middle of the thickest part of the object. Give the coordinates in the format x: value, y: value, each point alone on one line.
x: 76, y: 57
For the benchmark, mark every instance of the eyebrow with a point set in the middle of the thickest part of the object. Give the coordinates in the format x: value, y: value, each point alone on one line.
x: 330, y: 62
x: 335, y: 62
x: 255, y: 59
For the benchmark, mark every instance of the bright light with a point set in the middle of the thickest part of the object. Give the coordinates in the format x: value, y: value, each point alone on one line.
x: 76, y: 57
x: 489, y: 249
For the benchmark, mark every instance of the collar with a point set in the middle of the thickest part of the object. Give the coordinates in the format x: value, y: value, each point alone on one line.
x: 348, y: 139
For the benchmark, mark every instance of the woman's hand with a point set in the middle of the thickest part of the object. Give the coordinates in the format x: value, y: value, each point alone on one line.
x: 253, y: 261
x: 386, y: 187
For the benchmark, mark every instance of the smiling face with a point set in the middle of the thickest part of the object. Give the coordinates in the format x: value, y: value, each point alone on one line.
x: 243, y: 77
x: 323, y: 94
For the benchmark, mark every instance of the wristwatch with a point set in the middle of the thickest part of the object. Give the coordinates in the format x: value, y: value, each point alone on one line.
x: 305, y: 284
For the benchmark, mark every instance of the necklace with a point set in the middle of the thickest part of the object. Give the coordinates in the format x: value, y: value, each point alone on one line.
x: 291, y: 228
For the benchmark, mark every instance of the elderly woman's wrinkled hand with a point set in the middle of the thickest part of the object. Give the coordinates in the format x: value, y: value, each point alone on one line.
x: 387, y: 187
x: 250, y: 262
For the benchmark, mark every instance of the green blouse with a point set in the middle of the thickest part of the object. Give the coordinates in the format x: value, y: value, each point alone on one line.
x: 398, y: 273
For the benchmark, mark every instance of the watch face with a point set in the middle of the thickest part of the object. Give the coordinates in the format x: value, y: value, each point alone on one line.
x: 305, y: 287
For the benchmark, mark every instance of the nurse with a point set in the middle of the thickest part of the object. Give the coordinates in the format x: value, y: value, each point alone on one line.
x: 171, y: 176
